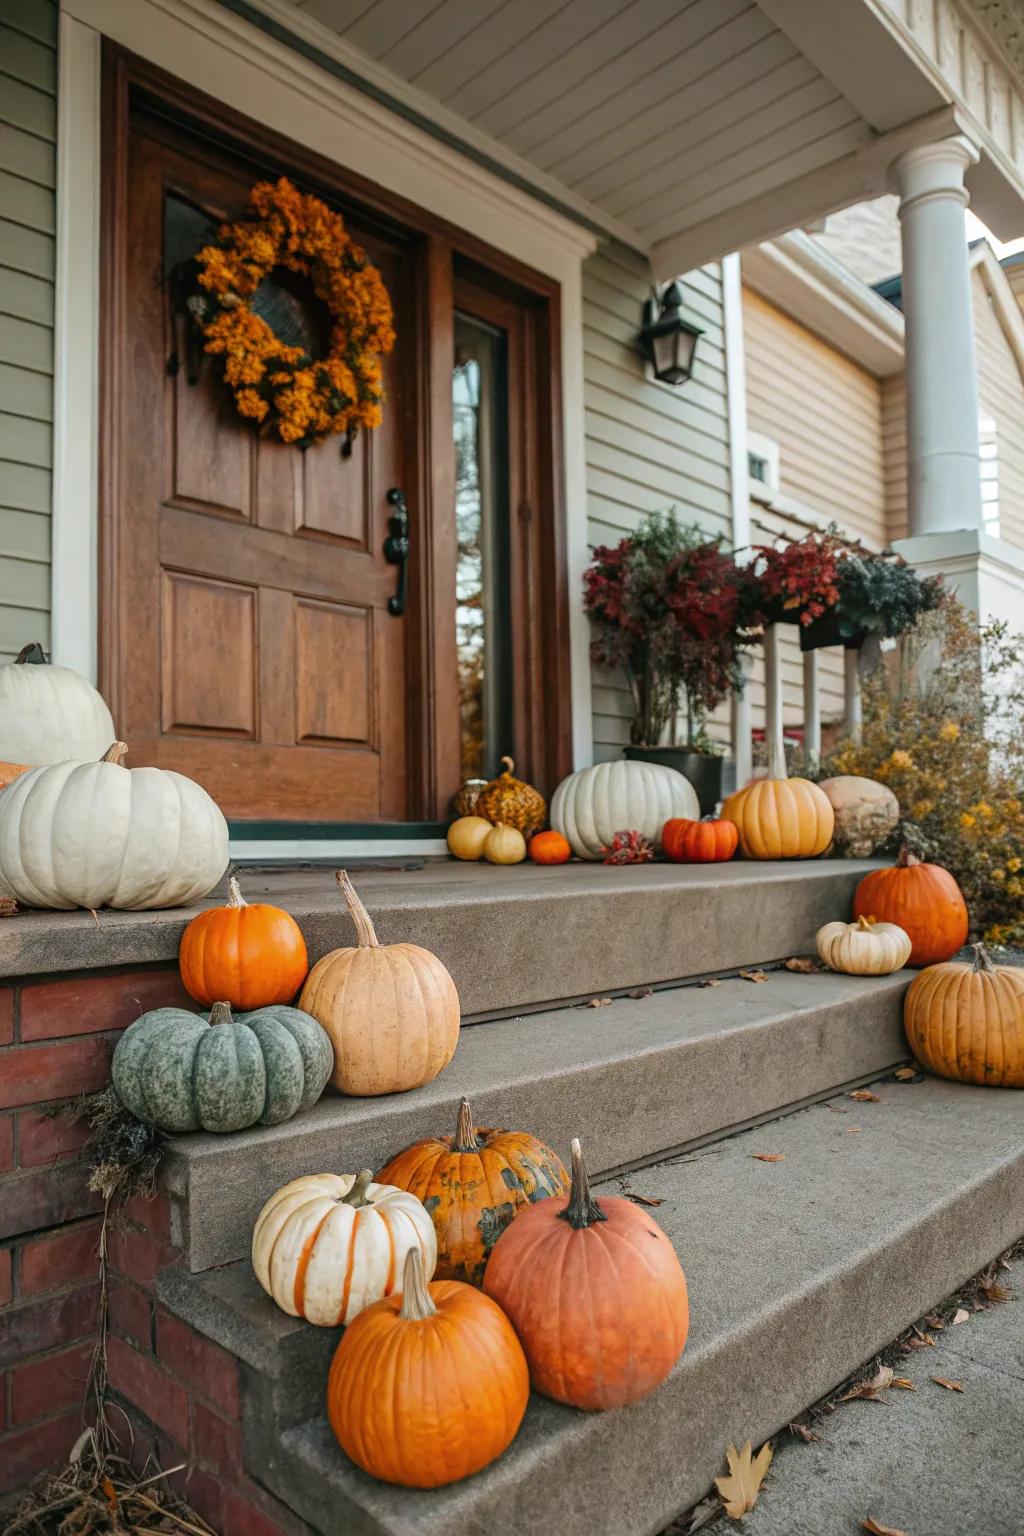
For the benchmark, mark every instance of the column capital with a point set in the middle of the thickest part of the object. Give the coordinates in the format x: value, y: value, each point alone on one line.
x: 934, y: 170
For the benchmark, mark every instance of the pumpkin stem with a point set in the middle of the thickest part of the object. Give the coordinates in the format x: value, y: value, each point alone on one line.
x: 33, y: 653
x: 465, y: 1136
x: 508, y: 764
x: 907, y: 860
x: 220, y: 1013
x: 116, y: 753
x: 365, y: 931
x: 357, y: 1194
x: 416, y: 1302
x: 235, y: 897
x: 982, y: 959
x: 582, y: 1209
x: 864, y: 924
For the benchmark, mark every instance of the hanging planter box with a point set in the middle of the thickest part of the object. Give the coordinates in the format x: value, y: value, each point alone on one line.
x: 825, y: 631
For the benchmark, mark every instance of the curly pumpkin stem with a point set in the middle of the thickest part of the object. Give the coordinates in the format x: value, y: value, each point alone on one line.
x: 116, y: 753
x: 220, y: 1013
x: 235, y: 897
x: 582, y: 1209
x: 357, y: 1194
x: 465, y: 1135
x: 982, y: 959
x: 508, y: 764
x: 416, y: 1302
x: 366, y: 934
x: 32, y: 654
x: 907, y: 860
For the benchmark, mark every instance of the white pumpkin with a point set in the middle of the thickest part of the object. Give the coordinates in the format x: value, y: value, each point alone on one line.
x: 100, y: 835
x: 328, y: 1245
x: 50, y: 714
x: 863, y: 948
x: 590, y: 806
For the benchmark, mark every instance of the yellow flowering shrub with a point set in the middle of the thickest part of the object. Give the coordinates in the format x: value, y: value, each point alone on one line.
x: 951, y: 748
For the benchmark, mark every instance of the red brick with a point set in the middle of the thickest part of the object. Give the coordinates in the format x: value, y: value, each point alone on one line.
x: 48, y: 1263
x: 130, y: 1312
x: 31, y: 1073
x: 6, y: 1143
x: 206, y: 1496
x: 216, y: 1441
x: 6, y: 1288
x: 43, y: 1137
x: 210, y: 1369
x: 26, y: 1452
x: 138, y: 1378
x: 6, y: 1015
x: 138, y: 1255
x: 87, y: 1004
x: 46, y: 1197
x: 240, y: 1515
x: 29, y: 1327
x: 41, y: 1387
x: 152, y: 1212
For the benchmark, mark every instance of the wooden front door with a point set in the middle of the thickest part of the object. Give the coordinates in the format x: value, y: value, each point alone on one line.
x: 253, y: 647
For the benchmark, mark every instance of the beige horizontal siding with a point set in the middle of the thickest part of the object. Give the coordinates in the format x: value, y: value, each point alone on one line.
x: 894, y: 453
x: 649, y: 446
x: 1001, y: 398
x: 28, y: 122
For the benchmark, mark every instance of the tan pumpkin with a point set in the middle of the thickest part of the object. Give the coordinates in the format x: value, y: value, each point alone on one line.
x: 391, y: 1010
x: 466, y: 837
x: 512, y: 802
x: 504, y: 845
x: 866, y: 813
x: 863, y: 948
x: 778, y: 817
x: 328, y: 1245
x: 967, y: 1021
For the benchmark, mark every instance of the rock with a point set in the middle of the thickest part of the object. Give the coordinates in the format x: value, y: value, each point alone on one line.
x: 866, y: 814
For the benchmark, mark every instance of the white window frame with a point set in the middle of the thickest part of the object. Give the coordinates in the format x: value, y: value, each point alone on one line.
x: 767, y: 449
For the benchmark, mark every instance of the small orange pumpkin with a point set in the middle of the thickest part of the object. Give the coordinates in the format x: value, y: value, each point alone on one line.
x: 596, y: 1294
x: 248, y: 956
x: 709, y: 841
x: 429, y: 1386
x: 922, y: 899
x: 550, y: 848
x: 11, y: 771
x: 967, y: 1021
x: 473, y: 1183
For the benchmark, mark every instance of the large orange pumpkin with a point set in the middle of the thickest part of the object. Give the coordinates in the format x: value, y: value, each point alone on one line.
x: 922, y: 899
x: 473, y: 1183
x: 248, y: 956
x: 967, y: 1021
x: 778, y: 817
x: 429, y: 1386
x: 709, y: 841
x: 596, y: 1294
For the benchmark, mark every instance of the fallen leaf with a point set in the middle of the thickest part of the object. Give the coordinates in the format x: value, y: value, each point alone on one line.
x: 853, y: 1130
x: 908, y: 1074
x: 712, y: 981
x: 993, y: 1291
x: 925, y: 1336
x: 641, y: 992
x: 802, y: 963
x: 642, y: 1199
x: 950, y: 1386
x: 904, y: 1383
x: 110, y: 1494
x: 8, y: 907
x: 872, y: 1389
x: 754, y: 975
x: 935, y: 1322
x: 865, y: 1096
x: 878, y: 1529
x: 769, y: 1157
x: 598, y: 1002
x: 703, y: 1513
x: 803, y: 1432
x: 961, y: 1315
x: 919, y: 1342
x: 835, y: 1109
x: 747, y: 1472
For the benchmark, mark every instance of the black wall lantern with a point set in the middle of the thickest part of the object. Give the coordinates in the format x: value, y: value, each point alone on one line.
x: 668, y: 341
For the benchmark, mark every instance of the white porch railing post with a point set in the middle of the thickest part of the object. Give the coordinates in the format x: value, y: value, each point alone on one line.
x: 812, y: 710
x: 851, y: 692
x: 773, y: 701
x: 742, y: 744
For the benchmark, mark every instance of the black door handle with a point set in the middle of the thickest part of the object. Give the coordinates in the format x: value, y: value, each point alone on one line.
x: 396, y: 548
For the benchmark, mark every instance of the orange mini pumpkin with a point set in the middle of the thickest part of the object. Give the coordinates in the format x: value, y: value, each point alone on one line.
x: 473, y: 1183
x: 429, y: 1386
x: 922, y: 899
x: 248, y: 956
x: 550, y: 848
x: 967, y: 1021
x: 596, y: 1294
x: 709, y: 841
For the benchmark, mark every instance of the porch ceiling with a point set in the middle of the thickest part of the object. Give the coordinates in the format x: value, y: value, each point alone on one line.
x: 685, y: 128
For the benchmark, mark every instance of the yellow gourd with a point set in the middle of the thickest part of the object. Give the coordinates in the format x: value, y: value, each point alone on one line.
x: 504, y: 845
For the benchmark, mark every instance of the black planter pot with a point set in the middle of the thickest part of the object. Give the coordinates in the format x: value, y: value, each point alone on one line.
x: 825, y: 631
x: 703, y: 770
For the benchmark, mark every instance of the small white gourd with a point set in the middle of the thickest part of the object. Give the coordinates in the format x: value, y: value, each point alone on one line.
x: 863, y: 948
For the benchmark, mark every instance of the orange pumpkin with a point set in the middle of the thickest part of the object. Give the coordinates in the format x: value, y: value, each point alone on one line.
x: 11, y: 771
x: 512, y: 802
x: 596, y: 1294
x: 550, y: 848
x: 473, y: 1183
x: 248, y: 956
x: 778, y: 817
x: 967, y: 1021
x: 709, y: 841
x: 922, y: 899
x: 427, y: 1387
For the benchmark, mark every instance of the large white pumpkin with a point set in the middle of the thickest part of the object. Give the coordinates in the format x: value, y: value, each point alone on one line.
x: 99, y: 835
x: 590, y: 806
x: 328, y: 1245
x: 50, y: 714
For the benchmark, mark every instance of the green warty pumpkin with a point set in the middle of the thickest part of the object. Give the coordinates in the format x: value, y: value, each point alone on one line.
x: 185, y: 1071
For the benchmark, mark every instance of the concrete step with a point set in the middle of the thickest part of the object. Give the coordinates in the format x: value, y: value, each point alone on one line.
x: 513, y: 939
x: 637, y: 1077
x: 799, y: 1271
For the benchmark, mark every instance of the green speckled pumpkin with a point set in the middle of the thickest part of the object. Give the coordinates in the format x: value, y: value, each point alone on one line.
x: 186, y: 1071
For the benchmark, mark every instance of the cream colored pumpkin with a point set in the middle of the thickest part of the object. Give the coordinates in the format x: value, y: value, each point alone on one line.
x: 391, y: 1010
x: 50, y: 714
x: 504, y: 845
x: 866, y: 813
x: 79, y: 834
x: 590, y: 806
x: 467, y: 835
x: 863, y: 948
x: 328, y: 1245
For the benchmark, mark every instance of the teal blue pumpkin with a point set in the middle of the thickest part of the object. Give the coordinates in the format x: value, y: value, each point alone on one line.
x: 186, y: 1071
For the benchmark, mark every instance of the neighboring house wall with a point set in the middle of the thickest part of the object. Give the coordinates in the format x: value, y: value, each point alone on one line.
x: 1001, y: 400
x: 649, y: 446
x: 894, y: 451
x: 28, y: 126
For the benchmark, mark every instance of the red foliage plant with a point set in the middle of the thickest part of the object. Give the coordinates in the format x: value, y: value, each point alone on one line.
x: 799, y: 582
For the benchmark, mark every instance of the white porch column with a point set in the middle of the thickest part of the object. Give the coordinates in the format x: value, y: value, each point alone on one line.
x: 853, y: 713
x: 943, y: 466
x: 812, y: 710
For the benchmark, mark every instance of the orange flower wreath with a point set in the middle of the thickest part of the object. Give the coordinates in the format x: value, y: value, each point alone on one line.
x: 281, y: 387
